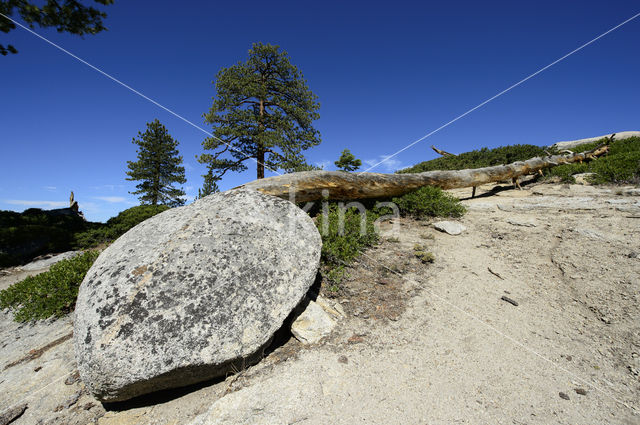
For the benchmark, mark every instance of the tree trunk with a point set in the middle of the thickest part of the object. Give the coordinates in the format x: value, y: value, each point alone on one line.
x: 315, y: 185
x: 260, y: 150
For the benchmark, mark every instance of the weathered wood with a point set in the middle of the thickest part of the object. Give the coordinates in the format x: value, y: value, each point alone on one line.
x: 441, y: 152
x: 315, y: 185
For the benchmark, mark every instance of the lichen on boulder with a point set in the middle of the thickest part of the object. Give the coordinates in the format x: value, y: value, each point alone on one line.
x: 190, y: 293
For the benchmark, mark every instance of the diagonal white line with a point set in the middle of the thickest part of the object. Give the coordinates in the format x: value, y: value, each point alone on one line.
x: 109, y: 76
x: 504, y: 335
x: 503, y: 92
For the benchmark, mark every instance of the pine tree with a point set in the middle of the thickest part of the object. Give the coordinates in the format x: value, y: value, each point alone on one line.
x: 65, y: 15
x: 348, y: 162
x: 210, y: 185
x: 263, y: 110
x: 158, y: 167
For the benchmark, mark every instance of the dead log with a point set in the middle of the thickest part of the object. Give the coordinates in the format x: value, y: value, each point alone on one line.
x: 339, y: 185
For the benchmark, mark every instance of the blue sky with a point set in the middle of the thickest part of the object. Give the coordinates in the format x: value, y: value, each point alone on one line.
x: 386, y: 74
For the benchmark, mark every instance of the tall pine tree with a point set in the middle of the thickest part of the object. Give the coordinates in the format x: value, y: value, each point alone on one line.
x: 158, y: 167
x: 263, y: 110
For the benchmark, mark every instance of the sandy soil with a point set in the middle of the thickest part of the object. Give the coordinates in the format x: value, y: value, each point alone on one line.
x: 422, y: 342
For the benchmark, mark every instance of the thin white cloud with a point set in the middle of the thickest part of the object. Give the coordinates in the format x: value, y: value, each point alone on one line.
x: 37, y: 204
x: 188, y: 166
x: 188, y: 189
x: 110, y: 187
x: 51, y: 188
x: 323, y: 164
x: 110, y: 199
x: 389, y: 165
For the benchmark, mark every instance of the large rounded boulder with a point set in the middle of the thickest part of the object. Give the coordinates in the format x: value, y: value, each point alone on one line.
x: 192, y: 293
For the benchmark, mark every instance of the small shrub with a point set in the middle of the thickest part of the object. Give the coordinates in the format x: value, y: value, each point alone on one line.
x: 429, y: 201
x: 339, y: 248
x: 422, y: 254
x: 48, y: 294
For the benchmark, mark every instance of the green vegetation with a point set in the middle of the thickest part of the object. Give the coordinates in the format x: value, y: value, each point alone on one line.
x: 348, y: 162
x: 209, y: 186
x: 48, y: 294
x: 620, y: 165
x: 263, y: 110
x: 157, y: 167
x: 429, y: 201
x: 53, y: 293
x: 66, y: 16
x: 341, y: 247
x: 34, y: 232
x: 116, y: 226
x: 420, y: 251
x: 484, y: 157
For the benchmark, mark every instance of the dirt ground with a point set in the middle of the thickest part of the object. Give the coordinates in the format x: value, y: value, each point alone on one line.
x: 421, y: 343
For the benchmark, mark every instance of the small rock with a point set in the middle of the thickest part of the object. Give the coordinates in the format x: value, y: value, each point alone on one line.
x: 563, y: 396
x: 449, y: 227
x: 343, y: 359
x: 327, y: 306
x: 606, y: 320
x: 340, y: 310
x: 12, y: 414
x: 569, y: 358
x: 312, y: 324
x: 632, y: 255
x: 37, y: 368
x: 581, y: 391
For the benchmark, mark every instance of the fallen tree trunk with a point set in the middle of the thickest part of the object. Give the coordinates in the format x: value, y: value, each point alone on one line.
x: 315, y: 185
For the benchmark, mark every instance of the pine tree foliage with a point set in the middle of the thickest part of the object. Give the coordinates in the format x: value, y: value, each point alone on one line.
x: 348, y: 162
x: 210, y: 185
x: 263, y: 110
x: 66, y: 16
x: 158, y: 167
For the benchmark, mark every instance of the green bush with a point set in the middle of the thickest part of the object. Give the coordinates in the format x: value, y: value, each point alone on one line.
x: 620, y: 165
x: 342, y: 247
x: 117, y: 226
x: 429, y: 201
x: 48, y: 294
x: 484, y: 157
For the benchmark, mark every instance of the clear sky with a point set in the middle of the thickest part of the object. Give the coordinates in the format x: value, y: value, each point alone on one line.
x: 386, y: 73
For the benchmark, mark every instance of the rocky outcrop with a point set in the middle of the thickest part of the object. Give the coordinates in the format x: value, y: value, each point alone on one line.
x: 192, y: 293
